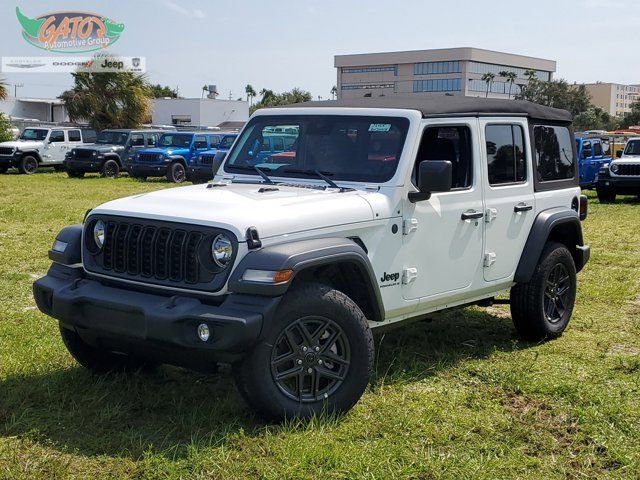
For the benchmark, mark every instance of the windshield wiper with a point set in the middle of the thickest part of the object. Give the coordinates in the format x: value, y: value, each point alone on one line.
x: 317, y: 173
x: 254, y: 168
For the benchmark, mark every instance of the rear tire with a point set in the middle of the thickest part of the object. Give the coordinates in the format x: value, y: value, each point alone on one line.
x: 315, y: 357
x: 606, y: 195
x: 541, y: 308
x: 110, y: 169
x: 176, y: 173
x: 101, y: 361
x: 28, y: 165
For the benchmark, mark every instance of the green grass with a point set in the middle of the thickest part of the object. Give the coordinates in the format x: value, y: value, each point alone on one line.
x: 457, y: 397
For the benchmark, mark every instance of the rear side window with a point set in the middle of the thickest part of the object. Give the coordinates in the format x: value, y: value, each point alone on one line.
x: 89, y: 135
x: 137, y: 140
x: 553, y: 153
x: 505, y: 154
x: 74, y: 135
x: 152, y: 139
x: 200, y: 142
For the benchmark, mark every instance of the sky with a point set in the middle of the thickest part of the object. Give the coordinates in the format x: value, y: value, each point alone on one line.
x: 280, y: 45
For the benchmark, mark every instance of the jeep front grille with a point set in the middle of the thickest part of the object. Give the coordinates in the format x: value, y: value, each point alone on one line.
x: 160, y: 253
x: 149, y: 157
x: 206, y: 159
x: 83, y: 154
x: 6, y: 151
x: 629, y: 169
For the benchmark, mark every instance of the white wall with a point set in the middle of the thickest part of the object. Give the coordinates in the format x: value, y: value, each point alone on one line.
x: 40, y: 111
x: 202, y: 111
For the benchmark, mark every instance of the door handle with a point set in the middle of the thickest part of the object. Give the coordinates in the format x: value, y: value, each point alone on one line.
x: 522, y: 207
x: 472, y: 215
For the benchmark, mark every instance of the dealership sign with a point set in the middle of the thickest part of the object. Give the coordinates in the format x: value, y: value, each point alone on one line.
x: 69, y: 32
x: 70, y: 64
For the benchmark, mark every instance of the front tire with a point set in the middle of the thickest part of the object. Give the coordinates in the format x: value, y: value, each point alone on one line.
x: 28, y: 165
x: 176, y: 173
x: 110, y: 169
x: 315, y: 358
x: 541, y: 308
x: 3, y: 170
x: 101, y: 361
x: 74, y: 174
x: 606, y: 195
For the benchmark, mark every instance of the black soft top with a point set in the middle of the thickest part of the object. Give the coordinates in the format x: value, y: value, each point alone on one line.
x: 435, y: 106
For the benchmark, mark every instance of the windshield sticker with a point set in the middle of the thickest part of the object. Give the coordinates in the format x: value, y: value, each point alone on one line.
x: 379, y: 127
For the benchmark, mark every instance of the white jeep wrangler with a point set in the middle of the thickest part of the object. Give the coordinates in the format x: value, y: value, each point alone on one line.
x: 383, y: 211
x: 622, y: 175
x: 42, y: 146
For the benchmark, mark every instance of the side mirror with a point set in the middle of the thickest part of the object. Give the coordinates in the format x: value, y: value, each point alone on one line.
x: 619, y: 154
x: 433, y: 176
x: 218, y: 158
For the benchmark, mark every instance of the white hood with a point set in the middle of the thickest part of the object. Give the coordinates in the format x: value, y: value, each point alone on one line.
x: 237, y: 207
x: 22, y: 144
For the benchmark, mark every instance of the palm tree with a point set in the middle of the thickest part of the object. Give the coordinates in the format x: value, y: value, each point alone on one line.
x: 334, y: 92
x: 109, y: 99
x: 530, y: 73
x: 511, y: 78
x: 250, y: 93
x: 3, y: 89
x: 488, y: 78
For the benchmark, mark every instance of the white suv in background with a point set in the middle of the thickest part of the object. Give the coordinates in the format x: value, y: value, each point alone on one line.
x: 42, y: 147
x: 622, y: 175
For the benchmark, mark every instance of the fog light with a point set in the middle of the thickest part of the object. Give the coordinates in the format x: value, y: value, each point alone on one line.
x: 203, y: 332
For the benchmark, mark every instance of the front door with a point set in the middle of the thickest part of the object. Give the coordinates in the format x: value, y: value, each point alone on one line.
x: 509, y: 200
x: 442, y: 236
x: 55, y: 147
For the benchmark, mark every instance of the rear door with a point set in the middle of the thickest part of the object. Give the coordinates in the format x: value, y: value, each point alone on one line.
x: 135, y: 144
x: 509, y: 199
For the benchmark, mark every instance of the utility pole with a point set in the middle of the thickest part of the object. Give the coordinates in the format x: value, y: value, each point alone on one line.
x: 15, y: 88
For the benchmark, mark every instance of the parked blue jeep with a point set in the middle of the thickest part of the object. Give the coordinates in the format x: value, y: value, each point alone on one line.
x: 172, y: 155
x: 271, y: 145
x: 591, y: 153
x: 200, y: 168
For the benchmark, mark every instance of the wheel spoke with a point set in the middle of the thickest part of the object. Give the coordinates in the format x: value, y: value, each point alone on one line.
x: 331, y: 357
x: 330, y: 341
x: 292, y: 372
x: 320, y: 332
x: 308, y: 339
x: 325, y: 372
x: 290, y: 340
x: 286, y: 357
x: 549, y: 309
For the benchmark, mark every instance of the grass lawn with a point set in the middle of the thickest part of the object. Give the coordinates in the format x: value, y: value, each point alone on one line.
x: 458, y: 397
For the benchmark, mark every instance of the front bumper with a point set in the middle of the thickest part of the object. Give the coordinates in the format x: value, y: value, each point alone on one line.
x: 93, y: 165
x: 200, y: 172
x: 621, y: 184
x: 160, y: 327
x: 8, y: 161
x: 147, y: 170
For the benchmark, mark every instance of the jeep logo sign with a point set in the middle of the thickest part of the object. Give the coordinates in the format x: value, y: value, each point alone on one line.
x: 389, y: 277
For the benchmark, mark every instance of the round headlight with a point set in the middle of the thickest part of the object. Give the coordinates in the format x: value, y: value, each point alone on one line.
x: 98, y: 233
x: 221, y: 250
x: 615, y: 167
x: 94, y: 153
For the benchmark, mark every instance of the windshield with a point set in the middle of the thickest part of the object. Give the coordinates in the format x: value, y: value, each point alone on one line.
x: 175, y: 140
x: 350, y: 148
x: 33, y: 134
x: 112, y: 137
x: 226, y: 142
x: 632, y: 148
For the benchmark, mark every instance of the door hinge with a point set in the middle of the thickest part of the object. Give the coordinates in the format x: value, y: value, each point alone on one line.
x: 409, y: 275
x: 490, y: 215
x: 489, y: 259
x: 409, y: 225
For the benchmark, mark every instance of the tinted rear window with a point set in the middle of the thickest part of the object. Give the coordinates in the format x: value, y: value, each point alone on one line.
x: 553, y: 153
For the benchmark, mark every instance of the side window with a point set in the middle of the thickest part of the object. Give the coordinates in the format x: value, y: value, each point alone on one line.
x: 278, y: 144
x: 553, y: 153
x: 505, y: 154
x: 152, y: 139
x: 597, y: 149
x: 200, y: 142
x: 137, y: 140
x: 56, y: 136
x: 448, y: 143
x: 74, y: 135
x: 586, y: 149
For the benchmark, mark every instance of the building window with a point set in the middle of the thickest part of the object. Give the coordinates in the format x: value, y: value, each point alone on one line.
x: 505, y: 154
x: 434, y: 68
x: 553, y: 153
x: 369, y: 69
x: 438, y: 85
x: 482, y: 68
x: 476, y: 85
x: 367, y: 86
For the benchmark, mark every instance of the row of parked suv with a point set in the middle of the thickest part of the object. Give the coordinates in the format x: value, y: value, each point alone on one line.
x: 141, y: 153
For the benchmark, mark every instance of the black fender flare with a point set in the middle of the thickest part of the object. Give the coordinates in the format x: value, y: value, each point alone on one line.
x: 113, y: 156
x: 32, y: 152
x: 302, y: 256
x: 67, y: 247
x: 177, y: 158
x: 546, y: 226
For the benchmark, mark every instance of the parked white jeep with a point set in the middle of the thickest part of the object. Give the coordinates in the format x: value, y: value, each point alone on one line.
x: 622, y: 175
x: 382, y: 212
x: 42, y: 146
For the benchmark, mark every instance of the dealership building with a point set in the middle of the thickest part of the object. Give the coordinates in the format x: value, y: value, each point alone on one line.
x: 199, y: 111
x: 451, y: 71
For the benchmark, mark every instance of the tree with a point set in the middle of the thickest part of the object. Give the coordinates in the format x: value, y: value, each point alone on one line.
x: 109, y: 99
x: 5, y: 128
x: 334, y: 92
x: 488, y: 78
x: 556, y: 93
x: 250, y: 93
x: 159, y: 91
x: 3, y: 89
x: 530, y: 74
x: 511, y: 79
x: 270, y: 99
x: 632, y: 117
x: 595, y: 118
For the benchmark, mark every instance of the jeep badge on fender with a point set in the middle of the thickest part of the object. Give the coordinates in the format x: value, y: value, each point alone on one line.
x: 277, y: 267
